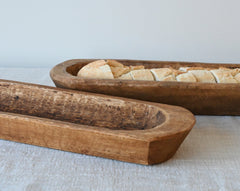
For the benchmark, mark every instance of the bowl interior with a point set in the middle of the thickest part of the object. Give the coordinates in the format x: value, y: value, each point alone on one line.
x: 79, y: 108
x: 73, y: 69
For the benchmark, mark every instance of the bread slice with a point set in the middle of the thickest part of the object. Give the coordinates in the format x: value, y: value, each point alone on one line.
x: 142, y: 75
x: 223, y: 76
x: 126, y: 76
x: 163, y: 74
x: 186, y: 77
x: 97, y: 70
x: 114, y: 63
x: 117, y: 68
x: 169, y: 78
x: 204, y: 76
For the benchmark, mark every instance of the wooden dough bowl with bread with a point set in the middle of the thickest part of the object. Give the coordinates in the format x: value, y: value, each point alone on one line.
x: 116, y: 128
x: 218, y: 95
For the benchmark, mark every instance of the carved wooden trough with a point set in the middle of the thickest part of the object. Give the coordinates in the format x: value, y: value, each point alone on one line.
x: 116, y: 128
x: 199, y: 98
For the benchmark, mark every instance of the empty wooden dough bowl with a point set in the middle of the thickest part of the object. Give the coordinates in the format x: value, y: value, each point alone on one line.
x: 199, y: 98
x: 116, y: 128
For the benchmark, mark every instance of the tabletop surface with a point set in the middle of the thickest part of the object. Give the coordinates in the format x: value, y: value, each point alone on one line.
x: 208, y: 159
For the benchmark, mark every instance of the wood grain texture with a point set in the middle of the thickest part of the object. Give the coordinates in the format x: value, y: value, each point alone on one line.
x: 116, y: 128
x: 199, y: 98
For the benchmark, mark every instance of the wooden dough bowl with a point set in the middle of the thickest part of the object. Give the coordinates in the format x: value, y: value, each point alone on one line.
x: 116, y: 128
x: 199, y: 98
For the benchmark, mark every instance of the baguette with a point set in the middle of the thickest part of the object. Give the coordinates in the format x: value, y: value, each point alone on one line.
x: 112, y: 69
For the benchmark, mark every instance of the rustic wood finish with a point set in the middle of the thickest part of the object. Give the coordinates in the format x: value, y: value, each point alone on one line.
x: 200, y: 98
x: 116, y: 128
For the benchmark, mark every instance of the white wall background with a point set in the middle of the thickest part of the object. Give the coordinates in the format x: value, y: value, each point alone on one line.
x: 45, y: 32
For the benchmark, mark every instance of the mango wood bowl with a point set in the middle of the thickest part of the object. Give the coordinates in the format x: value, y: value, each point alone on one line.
x: 116, y: 128
x: 199, y: 98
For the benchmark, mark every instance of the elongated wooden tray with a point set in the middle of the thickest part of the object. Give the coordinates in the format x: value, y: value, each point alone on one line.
x: 116, y: 128
x: 200, y: 98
